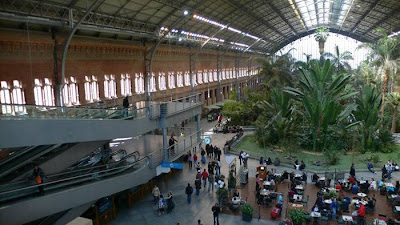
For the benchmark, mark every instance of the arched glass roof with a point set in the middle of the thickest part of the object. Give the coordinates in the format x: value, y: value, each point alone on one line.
x: 308, y: 46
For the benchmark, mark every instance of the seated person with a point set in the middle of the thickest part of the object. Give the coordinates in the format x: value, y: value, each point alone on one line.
x: 352, y: 180
x: 338, y: 187
x: 302, y: 165
x: 236, y: 194
x: 269, y: 161
x: 291, y: 193
x: 285, y: 175
x: 315, y: 178
x: 280, y: 198
x: 315, y: 208
x: 370, y: 167
x: 355, y: 189
x: 371, y: 204
x: 261, y: 160
x: 296, y: 165
x: 372, y: 184
x: 364, y: 186
x: 304, y: 177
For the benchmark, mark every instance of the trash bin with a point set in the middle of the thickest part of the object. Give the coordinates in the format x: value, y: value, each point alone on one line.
x: 244, y: 176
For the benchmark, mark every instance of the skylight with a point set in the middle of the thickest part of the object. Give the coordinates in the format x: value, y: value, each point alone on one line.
x: 317, y: 13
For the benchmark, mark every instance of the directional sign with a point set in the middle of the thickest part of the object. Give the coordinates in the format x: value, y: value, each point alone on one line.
x: 172, y: 165
x: 207, y: 140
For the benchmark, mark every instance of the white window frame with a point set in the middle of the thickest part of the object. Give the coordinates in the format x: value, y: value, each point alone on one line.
x: 38, y: 92
x: 171, y: 80
x: 199, y: 77
x: 48, y: 93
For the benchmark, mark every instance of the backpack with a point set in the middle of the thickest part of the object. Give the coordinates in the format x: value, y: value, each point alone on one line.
x: 38, y: 179
x: 189, y: 190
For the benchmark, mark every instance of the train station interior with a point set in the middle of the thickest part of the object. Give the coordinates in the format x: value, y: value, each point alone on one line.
x: 107, y: 105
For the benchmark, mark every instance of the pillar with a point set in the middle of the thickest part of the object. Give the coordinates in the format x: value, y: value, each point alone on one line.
x: 198, y: 127
x: 163, y: 125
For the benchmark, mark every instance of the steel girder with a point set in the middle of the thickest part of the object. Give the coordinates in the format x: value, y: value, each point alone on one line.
x: 371, y: 7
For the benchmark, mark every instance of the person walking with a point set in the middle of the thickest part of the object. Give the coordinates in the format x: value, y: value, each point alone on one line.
x: 161, y: 205
x: 352, y: 170
x: 156, y: 193
x: 125, y: 104
x: 211, y: 181
x: 190, y: 160
x: 195, y: 158
x: 199, y: 222
x: 189, y: 192
x: 38, y: 175
x: 240, y: 157
x: 204, y: 176
x: 170, y: 203
x: 216, y: 210
x: 171, y: 143
x: 197, y: 185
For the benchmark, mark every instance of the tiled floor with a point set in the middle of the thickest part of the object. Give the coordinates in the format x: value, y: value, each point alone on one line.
x: 144, y: 211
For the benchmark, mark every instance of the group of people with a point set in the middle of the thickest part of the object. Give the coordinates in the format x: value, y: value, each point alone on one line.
x: 162, y: 202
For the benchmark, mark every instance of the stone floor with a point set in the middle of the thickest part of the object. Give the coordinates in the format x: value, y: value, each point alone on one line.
x: 144, y: 211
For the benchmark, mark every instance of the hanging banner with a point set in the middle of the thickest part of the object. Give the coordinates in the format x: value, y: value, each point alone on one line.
x: 172, y: 165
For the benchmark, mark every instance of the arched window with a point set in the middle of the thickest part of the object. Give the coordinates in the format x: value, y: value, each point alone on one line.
x: 73, y: 92
x: 139, y: 83
x: 180, y: 79
x: 171, y: 80
x: 215, y: 75
x: 5, y: 97
x: 37, y: 92
x: 161, y: 81
x: 110, y: 87
x: 87, y: 86
x: 48, y: 92
x: 223, y: 74
x: 199, y: 77
x: 205, y: 76
x: 210, y: 76
x: 187, y: 78
x: 95, y: 89
x: 194, y: 79
x: 126, y: 85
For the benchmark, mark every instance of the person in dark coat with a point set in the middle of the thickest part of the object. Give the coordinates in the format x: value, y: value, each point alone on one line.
x: 197, y: 185
x: 352, y: 170
x: 38, y: 175
x: 125, y: 104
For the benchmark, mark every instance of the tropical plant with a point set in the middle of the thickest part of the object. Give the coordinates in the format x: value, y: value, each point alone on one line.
x: 233, y: 110
x: 297, y: 216
x: 247, y: 209
x: 321, y: 93
x: 321, y: 35
x: 385, y: 56
x: 277, y: 70
x: 367, y: 115
x: 339, y: 59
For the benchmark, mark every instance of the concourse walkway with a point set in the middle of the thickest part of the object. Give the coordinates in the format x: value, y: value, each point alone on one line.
x: 144, y: 211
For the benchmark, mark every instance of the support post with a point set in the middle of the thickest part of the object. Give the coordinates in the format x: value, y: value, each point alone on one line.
x: 198, y: 127
x: 219, y: 74
x: 163, y: 125
x: 66, y: 43
x: 237, y: 64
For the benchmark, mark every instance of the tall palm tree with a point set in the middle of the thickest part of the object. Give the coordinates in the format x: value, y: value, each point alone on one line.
x: 394, y: 102
x: 277, y: 70
x: 385, y: 55
x: 339, y: 59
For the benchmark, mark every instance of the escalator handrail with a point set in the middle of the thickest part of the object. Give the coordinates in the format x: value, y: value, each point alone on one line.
x: 75, y: 177
x: 80, y: 170
x: 17, y: 154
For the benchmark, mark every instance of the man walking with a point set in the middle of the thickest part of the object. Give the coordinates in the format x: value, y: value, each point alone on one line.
x: 189, y: 192
x: 216, y: 210
x: 204, y: 176
x: 125, y: 104
x: 211, y: 181
x: 197, y: 184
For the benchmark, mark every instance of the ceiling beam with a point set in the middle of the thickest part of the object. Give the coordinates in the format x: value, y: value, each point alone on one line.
x: 383, y: 20
x: 277, y: 11
x: 72, y: 3
x: 248, y: 13
x: 171, y: 13
x: 120, y: 8
x: 370, y: 8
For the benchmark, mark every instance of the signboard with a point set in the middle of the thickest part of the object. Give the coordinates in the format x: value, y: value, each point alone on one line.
x: 207, y: 140
x: 172, y: 165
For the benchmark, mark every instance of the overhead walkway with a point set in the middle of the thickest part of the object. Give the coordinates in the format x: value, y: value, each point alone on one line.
x: 29, y: 125
x: 71, y: 189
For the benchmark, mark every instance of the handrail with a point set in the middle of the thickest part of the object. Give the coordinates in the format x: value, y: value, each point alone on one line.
x: 75, y: 171
x: 72, y: 178
x: 68, y: 107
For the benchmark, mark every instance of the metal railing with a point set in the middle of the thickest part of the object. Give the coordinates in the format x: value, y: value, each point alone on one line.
x: 19, y: 111
x: 66, y: 179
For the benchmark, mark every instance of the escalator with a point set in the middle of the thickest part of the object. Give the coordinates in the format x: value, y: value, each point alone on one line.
x: 70, y: 189
x: 76, y: 176
x: 23, y: 161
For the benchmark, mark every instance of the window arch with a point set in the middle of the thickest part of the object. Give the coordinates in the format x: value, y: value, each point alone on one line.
x: 110, y: 87
x: 210, y: 76
x: 37, y: 92
x: 171, y: 80
x: 187, y: 78
x: 161, y: 81
x: 215, y: 75
x: 199, y: 77
x: 194, y: 79
x: 139, y: 83
x: 153, y: 83
x: 126, y: 85
x: 180, y: 79
x: 205, y: 76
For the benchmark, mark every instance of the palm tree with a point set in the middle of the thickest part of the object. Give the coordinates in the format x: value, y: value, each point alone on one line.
x: 320, y: 92
x: 394, y: 102
x: 385, y: 55
x: 277, y: 70
x: 321, y: 35
x: 339, y: 59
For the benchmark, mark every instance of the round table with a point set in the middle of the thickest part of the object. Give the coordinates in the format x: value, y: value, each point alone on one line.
x: 362, y: 195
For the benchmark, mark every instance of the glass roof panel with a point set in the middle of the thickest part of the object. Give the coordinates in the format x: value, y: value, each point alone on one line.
x: 316, y: 13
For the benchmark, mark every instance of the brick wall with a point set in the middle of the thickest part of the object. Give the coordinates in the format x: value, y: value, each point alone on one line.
x: 25, y: 59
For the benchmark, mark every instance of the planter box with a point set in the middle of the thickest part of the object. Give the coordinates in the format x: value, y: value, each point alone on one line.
x: 246, y: 217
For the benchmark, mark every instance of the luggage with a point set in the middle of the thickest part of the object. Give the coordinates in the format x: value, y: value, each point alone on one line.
x: 276, y: 211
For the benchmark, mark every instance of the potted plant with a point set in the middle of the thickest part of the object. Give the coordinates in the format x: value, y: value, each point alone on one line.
x: 321, y: 35
x: 297, y: 216
x: 247, y: 212
x: 222, y: 194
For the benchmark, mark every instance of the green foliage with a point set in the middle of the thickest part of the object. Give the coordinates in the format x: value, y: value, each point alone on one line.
x: 247, y: 209
x: 321, y: 93
x: 233, y: 110
x: 375, y: 158
x: 339, y: 59
x: 231, y: 181
x: 332, y: 156
x: 297, y: 216
x: 321, y: 34
x: 222, y: 193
